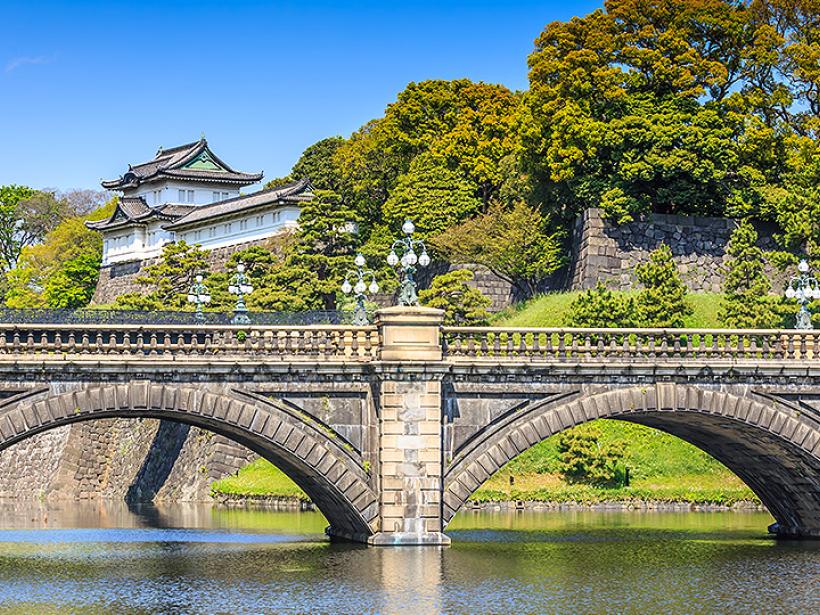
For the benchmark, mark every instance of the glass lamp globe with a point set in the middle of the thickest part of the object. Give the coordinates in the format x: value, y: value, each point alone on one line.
x: 359, y: 288
x: 359, y: 260
x: 241, y: 267
x: 192, y: 298
x: 790, y: 292
x: 199, y: 279
x: 412, y: 258
x: 802, y: 266
x: 815, y: 292
x: 408, y: 227
x: 233, y: 289
x: 246, y: 289
x: 205, y: 298
x: 346, y: 287
x: 424, y: 259
x: 392, y: 259
x: 373, y: 288
x: 799, y: 294
x: 404, y: 262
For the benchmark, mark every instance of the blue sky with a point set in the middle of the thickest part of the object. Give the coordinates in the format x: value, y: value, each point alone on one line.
x: 88, y: 87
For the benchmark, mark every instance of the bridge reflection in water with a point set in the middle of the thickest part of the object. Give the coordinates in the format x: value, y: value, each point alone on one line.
x: 390, y: 428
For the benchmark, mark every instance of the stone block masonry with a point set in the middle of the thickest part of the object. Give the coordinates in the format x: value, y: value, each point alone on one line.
x: 609, y: 253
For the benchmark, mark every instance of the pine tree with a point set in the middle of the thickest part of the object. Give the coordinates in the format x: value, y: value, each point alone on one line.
x: 325, y: 244
x: 463, y: 305
x: 599, y: 308
x: 747, y: 303
x: 166, y: 282
x: 662, y: 301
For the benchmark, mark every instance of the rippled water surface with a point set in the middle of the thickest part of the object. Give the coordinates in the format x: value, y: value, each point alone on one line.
x: 186, y: 558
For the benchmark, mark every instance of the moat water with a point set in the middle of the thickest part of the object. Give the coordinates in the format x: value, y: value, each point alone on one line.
x: 201, y: 559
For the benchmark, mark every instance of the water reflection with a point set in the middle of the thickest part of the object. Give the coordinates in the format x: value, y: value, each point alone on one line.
x: 191, y: 558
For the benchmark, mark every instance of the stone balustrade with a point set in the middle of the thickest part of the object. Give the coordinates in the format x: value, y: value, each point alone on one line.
x: 292, y: 343
x: 557, y: 345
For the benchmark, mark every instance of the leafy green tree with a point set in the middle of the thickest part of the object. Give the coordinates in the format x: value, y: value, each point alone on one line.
x: 463, y: 305
x: 514, y: 243
x: 61, y: 270
x: 317, y: 164
x: 662, y: 301
x: 599, y: 308
x: 470, y: 126
x: 11, y: 197
x: 73, y: 284
x: 582, y: 458
x: 166, y: 282
x: 431, y: 195
x: 747, y: 303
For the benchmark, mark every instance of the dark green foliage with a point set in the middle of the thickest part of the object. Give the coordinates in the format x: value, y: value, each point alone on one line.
x: 747, y: 303
x: 325, y: 245
x: 662, y: 301
x: 599, y: 307
x: 583, y: 459
x: 463, y: 305
x: 166, y: 283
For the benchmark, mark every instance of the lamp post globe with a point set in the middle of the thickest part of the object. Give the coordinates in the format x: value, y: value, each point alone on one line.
x: 240, y: 286
x: 407, y: 247
x: 359, y: 287
x: 803, y: 288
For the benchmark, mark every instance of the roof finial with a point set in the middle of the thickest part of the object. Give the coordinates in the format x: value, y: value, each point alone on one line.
x: 202, y: 136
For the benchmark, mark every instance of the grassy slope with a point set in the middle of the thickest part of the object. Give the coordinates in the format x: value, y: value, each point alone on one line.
x: 662, y: 467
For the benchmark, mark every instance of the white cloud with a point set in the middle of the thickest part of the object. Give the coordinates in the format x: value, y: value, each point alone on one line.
x: 16, y: 63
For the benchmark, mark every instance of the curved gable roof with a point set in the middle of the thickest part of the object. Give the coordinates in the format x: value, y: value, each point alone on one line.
x: 174, y: 164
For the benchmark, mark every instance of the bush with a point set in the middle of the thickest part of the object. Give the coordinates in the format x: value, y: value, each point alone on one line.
x: 662, y: 302
x: 462, y: 304
x: 601, y: 308
x: 747, y: 303
x: 583, y: 459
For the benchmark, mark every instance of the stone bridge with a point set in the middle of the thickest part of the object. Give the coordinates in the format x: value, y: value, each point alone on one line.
x: 390, y: 428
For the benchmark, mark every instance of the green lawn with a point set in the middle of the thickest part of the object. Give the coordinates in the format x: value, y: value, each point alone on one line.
x: 662, y: 466
x: 551, y: 311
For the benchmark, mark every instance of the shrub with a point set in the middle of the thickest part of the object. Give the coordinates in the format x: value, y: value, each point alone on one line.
x: 747, y: 303
x: 583, y: 459
x: 462, y: 304
x: 599, y: 307
x: 662, y: 302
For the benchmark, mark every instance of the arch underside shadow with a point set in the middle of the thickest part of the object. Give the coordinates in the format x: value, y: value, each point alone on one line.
x: 331, y: 475
x: 772, y: 448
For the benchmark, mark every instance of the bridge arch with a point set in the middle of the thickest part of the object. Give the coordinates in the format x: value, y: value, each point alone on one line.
x: 773, y: 447
x: 310, y: 454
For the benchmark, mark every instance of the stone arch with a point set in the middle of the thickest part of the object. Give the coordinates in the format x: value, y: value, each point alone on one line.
x: 771, y: 446
x: 312, y: 456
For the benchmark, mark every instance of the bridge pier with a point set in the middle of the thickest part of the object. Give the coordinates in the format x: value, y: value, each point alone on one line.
x: 410, y: 431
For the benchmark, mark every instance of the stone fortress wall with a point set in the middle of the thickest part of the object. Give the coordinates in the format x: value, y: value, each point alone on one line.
x: 145, y: 459
x: 606, y: 252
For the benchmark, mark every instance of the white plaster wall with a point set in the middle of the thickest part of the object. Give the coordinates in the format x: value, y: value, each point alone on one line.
x: 161, y: 193
x: 259, y: 224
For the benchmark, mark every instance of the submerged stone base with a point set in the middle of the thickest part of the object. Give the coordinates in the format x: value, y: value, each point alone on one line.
x: 408, y: 539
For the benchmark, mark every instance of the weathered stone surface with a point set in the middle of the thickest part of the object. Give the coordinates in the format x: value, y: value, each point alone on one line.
x: 609, y: 253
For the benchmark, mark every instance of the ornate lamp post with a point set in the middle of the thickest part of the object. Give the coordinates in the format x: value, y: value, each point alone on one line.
x: 199, y: 295
x: 240, y: 286
x: 408, y: 246
x: 359, y: 274
x: 803, y: 288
